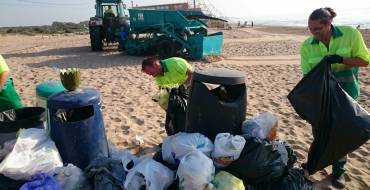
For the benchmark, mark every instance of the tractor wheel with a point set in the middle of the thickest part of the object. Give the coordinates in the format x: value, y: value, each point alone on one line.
x: 96, y: 39
x: 166, y: 49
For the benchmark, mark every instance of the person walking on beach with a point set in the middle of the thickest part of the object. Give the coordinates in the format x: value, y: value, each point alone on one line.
x: 170, y: 74
x: 9, y: 98
x: 343, y: 47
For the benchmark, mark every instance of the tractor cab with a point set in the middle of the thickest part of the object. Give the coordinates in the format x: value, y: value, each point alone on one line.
x: 108, y: 24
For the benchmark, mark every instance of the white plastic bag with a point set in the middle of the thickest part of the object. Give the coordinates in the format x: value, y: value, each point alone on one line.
x: 227, y: 149
x: 70, y: 177
x: 176, y: 147
x: 155, y: 175
x: 280, y: 147
x: 128, y: 160
x: 33, y: 152
x: 262, y: 126
x: 195, y: 171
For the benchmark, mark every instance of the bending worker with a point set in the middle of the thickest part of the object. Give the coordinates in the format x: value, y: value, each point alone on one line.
x: 171, y: 73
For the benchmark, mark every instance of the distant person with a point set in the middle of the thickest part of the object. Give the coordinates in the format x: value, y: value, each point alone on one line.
x: 109, y: 12
x: 346, y: 53
x: 9, y: 98
x: 245, y: 23
x: 252, y: 23
x: 238, y: 24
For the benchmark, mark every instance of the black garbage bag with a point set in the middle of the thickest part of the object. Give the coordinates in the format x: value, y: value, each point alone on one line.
x: 339, y: 124
x: 12, y: 120
x: 294, y: 179
x: 258, y: 164
x: 106, y: 173
x: 286, y: 152
x: 176, y: 111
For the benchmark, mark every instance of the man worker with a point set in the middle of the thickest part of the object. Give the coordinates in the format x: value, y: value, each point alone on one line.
x: 9, y: 98
x: 170, y: 74
x: 109, y: 12
x: 343, y: 47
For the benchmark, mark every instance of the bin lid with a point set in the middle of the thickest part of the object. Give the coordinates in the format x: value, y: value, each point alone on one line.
x: 220, y: 76
x: 74, y: 99
x: 49, y: 87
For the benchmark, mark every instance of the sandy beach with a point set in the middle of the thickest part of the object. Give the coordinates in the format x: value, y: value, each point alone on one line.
x: 268, y: 55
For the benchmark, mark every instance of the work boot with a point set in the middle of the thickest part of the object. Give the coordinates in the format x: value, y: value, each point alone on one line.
x: 338, y: 181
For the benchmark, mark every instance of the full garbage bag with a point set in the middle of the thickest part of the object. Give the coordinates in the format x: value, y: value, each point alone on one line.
x: 105, y: 173
x: 33, y: 152
x: 150, y: 175
x: 175, y: 147
x: 227, y: 148
x: 176, y: 111
x: 339, y: 124
x: 225, y: 181
x: 263, y: 126
x: 258, y: 164
x: 294, y: 179
x: 196, y: 171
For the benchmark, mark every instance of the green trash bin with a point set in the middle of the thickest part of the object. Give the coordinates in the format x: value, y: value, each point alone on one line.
x: 43, y: 91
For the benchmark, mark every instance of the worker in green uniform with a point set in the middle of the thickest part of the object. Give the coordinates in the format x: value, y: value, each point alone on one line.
x: 109, y: 12
x: 9, y: 98
x: 173, y: 76
x: 168, y: 73
x: 343, y: 47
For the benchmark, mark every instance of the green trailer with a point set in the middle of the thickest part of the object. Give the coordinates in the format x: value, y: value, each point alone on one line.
x: 170, y: 33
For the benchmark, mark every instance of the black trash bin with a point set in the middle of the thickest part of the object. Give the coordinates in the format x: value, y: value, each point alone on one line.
x: 12, y: 120
x: 219, y: 109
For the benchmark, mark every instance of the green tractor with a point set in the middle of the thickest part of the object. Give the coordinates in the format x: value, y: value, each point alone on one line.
x: 109, y: 23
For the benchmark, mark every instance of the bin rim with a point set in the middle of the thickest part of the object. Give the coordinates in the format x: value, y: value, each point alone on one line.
x: 219, y: 76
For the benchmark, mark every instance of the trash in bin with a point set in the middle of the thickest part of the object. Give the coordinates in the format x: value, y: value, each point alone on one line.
x: 339, y: 124
x: 225, y: 181
x: 13, y: 120
x: 263, y: 126
x: 195, y: 171
x: 227, y: 148
x: 41, y: 181
x: 33, y: 152
x: 216, y: 110
x: 149, y: 174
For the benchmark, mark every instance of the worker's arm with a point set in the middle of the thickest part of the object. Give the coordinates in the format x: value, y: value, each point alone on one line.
x: 3, y: 77
x: 355, y: 62
x: 189, y: 73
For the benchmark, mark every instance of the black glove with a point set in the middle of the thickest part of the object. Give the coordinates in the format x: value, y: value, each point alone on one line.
x: 331, y: 59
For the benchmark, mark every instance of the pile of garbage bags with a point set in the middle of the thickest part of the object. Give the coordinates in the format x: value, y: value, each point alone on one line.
x: 185, y: 161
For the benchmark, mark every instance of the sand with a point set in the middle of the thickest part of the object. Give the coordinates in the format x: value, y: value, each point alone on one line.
x: 268, y: 55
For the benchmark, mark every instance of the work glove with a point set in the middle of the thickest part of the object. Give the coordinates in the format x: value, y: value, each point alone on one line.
x: 332, y: 59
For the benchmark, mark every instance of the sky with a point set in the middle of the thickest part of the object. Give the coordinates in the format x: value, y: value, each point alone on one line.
x: 44, y: 12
